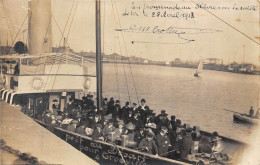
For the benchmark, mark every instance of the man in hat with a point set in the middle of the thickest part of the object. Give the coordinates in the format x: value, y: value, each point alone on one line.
x: 97, y: 133
x: 107, y: 129
x: 139, y: 135
x: 73, y: 125
x: 251, y: 112
x: 148, y: 145
x: 137, y: 121
x: 47, y: 117
x: 163, y: 142
x: 127, y: 117
x: 162, y: 120
x: 124, y: 110
x: 142, y: 109
x: 134, y: 107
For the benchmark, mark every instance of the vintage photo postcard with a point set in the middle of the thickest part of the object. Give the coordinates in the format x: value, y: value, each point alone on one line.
x: 131, y: 82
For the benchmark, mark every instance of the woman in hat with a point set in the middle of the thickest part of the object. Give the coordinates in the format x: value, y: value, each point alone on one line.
x: 148, y: 145
x: 108, y: 129
x: 130, y: 127
x: 119, y: 131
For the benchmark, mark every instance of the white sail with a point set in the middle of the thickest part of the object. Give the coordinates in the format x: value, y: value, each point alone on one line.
x: 200, y: 67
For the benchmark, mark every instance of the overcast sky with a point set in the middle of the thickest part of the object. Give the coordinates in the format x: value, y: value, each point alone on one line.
x: 138, y: 35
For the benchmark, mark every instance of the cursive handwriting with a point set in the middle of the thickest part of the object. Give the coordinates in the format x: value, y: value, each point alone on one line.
x: 176, y: 31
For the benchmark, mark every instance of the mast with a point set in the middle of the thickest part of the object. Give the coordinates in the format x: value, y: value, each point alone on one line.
x: 98, y: 56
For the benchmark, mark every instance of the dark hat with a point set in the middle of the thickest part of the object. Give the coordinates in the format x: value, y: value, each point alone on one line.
x: 111, y: 121
x: 215, y: 134
x: 143, y: 100
x: 173, y: 117
x: 127, y: 103
x: 163, y: 112
x: 117, y: 101
x: 111, y: 98
x: 99, y: 125
x: 150, y: 134
x: 105, y: 99
x: 134, y: 104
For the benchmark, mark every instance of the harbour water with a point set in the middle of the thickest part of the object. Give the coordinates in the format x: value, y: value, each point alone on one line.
x: 196, y: 101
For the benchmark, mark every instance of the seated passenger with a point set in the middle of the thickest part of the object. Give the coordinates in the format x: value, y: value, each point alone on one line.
x: 163, y: 142
x: 97, y: 133
x: 148, y: 145
x: 119, y: 131
x: 73, y: 125
x: 107, y: 129
x: 81, y: 130
x: 139, y: 135
x: 66, y: 121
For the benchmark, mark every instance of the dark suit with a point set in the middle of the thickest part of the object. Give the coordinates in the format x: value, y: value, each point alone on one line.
x: 163, y: 142
x: 96, y: 134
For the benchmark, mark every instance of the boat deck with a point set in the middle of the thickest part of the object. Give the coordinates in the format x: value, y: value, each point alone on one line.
x: 22, y: 133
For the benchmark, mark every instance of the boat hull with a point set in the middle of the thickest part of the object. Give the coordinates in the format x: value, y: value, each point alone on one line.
x: 245, y: 119
x: 107, y: 153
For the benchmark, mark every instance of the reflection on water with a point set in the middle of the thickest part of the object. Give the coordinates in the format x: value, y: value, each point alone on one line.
x: 198, y: 101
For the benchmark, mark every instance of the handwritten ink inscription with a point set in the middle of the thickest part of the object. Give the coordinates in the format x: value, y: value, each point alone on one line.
x: 129, y: 158
x: 178, y: 11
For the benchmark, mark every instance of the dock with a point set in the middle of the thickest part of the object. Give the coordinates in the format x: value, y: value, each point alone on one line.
x: 22, y: 133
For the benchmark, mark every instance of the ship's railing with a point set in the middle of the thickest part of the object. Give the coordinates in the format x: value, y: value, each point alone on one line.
x: 109, y: 151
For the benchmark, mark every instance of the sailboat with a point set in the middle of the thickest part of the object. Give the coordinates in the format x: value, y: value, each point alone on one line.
x: 199, y: 69
x: 60, y: 84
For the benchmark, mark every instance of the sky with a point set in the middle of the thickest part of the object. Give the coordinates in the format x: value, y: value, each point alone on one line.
x: 156, y: 30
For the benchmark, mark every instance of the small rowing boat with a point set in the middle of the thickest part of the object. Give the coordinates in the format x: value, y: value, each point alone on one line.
x: 245, y: 118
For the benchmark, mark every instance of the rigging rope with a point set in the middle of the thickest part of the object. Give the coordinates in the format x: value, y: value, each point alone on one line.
x: 126, y: 53
x: 8, y: 17
x: 66, y: 42
x: 122, y: 58
x: 17, y: 34
x: 62, y: 36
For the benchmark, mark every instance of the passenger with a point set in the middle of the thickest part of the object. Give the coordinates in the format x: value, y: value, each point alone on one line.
x: 130, y: 127
x: 148, y: 118
x: 186, y: 144
x: 118, y: 104
x: 148, y: 145
x: 107, y: 129
x: 66, y: 121
x: 97, y: 133
x: 163, y: 142
x: 137, y: 121
x: 251, y: 112
x: 173, y: 123
x: 81, y: 130
x: 162, y: 120
x: 124, y: 110
x: 216, y: 140
x: 73, y: 125
x: 139, y: 135
x: 53, y: 124
x: 143, y: 108
x: 128, y: 116
x: 47, y: 117
x: 116, y: 113
x: 119, y: 131
x: 134, y: 107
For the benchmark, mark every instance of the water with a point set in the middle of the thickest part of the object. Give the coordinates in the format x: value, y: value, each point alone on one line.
x: 196, y: 101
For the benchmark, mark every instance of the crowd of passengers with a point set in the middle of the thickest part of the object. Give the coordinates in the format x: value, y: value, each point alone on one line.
x: 136, y: 127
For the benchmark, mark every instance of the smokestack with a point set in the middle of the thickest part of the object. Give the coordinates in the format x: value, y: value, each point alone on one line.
x: 40, y: 31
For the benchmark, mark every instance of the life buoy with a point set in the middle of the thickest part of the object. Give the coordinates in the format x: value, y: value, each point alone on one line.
x: 37, y: 83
